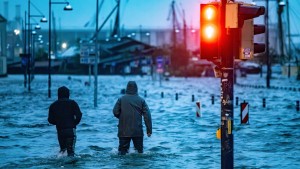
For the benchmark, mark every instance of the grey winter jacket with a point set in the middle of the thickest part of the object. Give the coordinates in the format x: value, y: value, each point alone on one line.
x: 129, y: 109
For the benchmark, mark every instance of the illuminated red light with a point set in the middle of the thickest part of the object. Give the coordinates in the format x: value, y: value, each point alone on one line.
x: 210, y: 12
x: 209, y: 21
x: 209, y: 30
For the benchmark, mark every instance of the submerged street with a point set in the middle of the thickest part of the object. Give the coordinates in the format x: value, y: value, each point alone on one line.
x: 179, y: 139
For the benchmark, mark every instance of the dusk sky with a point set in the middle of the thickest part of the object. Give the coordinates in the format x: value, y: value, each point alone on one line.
x: 135, y: 13
x: 148, y: 13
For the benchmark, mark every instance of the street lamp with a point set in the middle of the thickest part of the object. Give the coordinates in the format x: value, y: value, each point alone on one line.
x: 148, y: 37
x: 66, y: 8
x: 37, y: 27
x: 30, y: 33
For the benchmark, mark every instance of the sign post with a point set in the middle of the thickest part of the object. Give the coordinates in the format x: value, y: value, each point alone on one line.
x: 160, y: 67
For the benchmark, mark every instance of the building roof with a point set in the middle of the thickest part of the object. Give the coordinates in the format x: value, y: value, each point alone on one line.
x: 2, y: 19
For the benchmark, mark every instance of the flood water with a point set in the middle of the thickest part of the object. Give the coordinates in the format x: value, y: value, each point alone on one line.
x: 179, y: 140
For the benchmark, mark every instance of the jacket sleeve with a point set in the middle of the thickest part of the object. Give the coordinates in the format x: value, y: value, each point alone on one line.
x: 147, y: 117
x: 51, y: 116
x: 77, y: 113
x: 117, y: 108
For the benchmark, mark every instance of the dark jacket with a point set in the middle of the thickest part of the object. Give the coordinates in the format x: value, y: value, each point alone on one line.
x: 129, y: 109
x: 64, y: 112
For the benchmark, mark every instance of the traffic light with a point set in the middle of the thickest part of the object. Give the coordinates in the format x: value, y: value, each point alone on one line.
x: 241, y: 16
x: 209, y: 31
x: 259, y: 47
x: 248, y: 47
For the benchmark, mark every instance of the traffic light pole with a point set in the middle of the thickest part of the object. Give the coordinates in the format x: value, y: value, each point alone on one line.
x: 222, y: 31
x: 227, y: 86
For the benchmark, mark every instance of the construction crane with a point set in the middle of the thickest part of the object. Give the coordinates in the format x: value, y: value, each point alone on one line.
x: 175, y: 23
x: 174, y: 12
x: 92, y: 21
x: 117, y: 21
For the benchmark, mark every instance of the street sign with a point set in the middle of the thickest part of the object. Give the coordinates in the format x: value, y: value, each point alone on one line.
x: 159, y: 64
x: 88, y: 60
x: 87, y: 53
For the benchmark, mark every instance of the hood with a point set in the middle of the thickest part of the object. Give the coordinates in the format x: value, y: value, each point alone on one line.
x: 131, y: 88
x: 63, y: 92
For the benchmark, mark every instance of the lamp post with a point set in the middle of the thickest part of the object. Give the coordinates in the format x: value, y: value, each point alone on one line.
x: 43, y: 19
x: 30, y: 33
x: 66, y: 8
x: 148, y: 37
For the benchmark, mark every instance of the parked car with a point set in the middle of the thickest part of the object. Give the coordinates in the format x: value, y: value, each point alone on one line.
x: 249, y: 67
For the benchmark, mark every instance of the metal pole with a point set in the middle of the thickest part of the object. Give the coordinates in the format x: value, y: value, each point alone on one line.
x: 29, y: 49
x: 33, y: 54
x: 267, y: 45
x: 96, y: 57
x: 227, y: 86
x: 289, y: 35
x: 49, y: 53
x: 90, y: 72
x: 281, y: 45
x: 25, y: 50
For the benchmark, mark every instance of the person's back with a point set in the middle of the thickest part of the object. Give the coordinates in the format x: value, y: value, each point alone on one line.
x: 64, y: 118
x: 130, y: 110
x: 66, y: 115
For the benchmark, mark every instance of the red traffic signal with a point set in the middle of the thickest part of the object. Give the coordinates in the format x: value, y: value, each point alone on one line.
x: 209, y: 31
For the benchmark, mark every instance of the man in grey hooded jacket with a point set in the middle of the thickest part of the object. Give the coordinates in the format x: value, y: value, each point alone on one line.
x: 129, y: 109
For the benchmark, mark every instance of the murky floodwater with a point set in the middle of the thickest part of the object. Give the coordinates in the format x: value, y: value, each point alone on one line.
x: 179, y: 140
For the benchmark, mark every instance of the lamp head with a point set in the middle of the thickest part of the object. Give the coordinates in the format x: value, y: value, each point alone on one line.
x: 282, y: 3
x: 37, y: 27
x: 68, y: 7
x: 44, y: 19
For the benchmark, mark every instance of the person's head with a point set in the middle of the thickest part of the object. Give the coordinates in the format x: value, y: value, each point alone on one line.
x: 131, y: 88
x: 63, y: 92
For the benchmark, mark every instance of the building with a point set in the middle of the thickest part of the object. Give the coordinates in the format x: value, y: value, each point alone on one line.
x: 3, y: 47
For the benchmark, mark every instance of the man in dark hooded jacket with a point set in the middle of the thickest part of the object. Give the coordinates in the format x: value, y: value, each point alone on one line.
x: 129, y: 109
x: 66, y: 115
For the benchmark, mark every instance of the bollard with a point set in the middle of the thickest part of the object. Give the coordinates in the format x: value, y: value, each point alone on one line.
x: 86, y: 84
x: 198, y: 109
x: 218, y: 133
x: 236, y: 101
x: 264, y: 102
x: 244, y: 113
x: 176, y: 96
x: 297, y: 105
x: 145, y: 93
x: 212, y: 99
x: 162, y: 94
x: 193, y: 98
